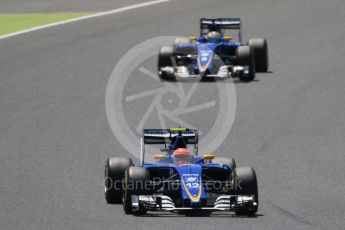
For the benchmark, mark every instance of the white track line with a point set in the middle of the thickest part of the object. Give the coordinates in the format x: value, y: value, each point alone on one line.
x: 126, y: 8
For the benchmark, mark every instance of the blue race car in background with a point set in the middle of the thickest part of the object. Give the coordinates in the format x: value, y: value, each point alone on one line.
x: 213, y: 54
x: 178, y: 179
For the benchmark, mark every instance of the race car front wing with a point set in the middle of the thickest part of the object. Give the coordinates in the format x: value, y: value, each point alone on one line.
x: 165, y: 203
x: 225, y: 71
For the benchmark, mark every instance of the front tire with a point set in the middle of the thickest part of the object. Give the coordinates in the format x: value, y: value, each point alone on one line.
x: 135, y: 180
x: 165, y: 58
x: 113, y: 176
x: 225, y: 161
x: 248, y: 185
x: 260, y: 48
x: 245, y: 57
x: 184, y: 46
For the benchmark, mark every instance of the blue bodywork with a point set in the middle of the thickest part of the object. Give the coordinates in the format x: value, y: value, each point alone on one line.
x: 192, y: 188
x: 207, y: 50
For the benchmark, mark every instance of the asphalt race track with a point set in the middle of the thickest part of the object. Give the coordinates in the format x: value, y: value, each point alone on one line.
x: 289, y: 125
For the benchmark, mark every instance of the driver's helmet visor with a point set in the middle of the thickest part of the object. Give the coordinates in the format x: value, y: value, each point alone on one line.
x: 213, y: 37
x: 182, y: 159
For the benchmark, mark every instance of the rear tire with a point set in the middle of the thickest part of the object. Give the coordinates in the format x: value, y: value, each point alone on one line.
x: 113, y: 177
x: 245, y: 57
x: 134, y: 180
x: 165, y: 56
x: 248, y: 185
x: 260, y: 48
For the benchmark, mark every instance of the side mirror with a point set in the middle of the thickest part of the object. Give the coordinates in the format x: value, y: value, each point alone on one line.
x: 159, y: 156
x: 192, y: 37
x: 208, y: 156
x: 227, y: 38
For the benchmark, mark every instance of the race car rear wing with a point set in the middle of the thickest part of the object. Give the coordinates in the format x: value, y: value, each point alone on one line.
x: 164, y: 136
x: 219, y: 25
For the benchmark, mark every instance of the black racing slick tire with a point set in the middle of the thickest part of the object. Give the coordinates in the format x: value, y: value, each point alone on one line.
x: 165, y: 59
x: 188, y: 49
x: 247, y: 185
x: 180, y: 41
x: 260, y: 48
x: 245, y: 57
x: 114, y: 171
x: 135, y: 182
x: 225, y: 161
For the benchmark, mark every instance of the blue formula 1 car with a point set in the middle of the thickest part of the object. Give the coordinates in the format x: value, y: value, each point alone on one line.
x: 213, y: 54
x: 178, y: 179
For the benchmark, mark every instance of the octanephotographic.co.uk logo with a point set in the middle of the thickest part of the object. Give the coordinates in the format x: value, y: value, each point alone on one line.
x: 136, y: 98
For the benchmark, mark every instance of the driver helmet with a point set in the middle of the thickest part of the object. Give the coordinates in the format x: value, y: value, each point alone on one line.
x: 182, y: 156
x: 214, y: 37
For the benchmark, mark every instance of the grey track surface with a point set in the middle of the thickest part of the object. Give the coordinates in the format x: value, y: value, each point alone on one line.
x: 54, y: 136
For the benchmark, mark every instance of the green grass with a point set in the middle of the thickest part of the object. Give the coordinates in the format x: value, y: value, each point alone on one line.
x: 10, y: 23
